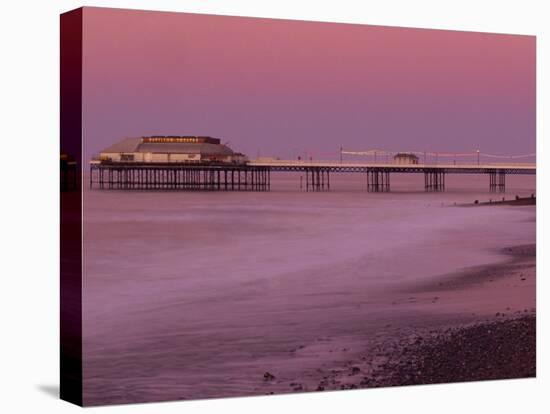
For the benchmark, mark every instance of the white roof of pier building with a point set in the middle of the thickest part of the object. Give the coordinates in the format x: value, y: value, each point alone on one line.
x: 170, y: 144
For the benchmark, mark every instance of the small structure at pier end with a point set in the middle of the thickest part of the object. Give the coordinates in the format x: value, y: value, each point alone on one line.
x: 171, y: 149
x: 406, y: 158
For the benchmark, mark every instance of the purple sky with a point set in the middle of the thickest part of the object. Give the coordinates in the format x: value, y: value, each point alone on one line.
x: 287, y: 88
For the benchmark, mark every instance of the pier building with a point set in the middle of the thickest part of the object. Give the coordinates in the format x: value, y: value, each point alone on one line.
x: 405, y: 158
x: 171, y: 149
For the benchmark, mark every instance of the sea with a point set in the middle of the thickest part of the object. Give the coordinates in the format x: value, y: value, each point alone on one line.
x: 200, y: 294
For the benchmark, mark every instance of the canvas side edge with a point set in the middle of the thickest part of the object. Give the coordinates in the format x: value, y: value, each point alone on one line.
x: 71, y: 206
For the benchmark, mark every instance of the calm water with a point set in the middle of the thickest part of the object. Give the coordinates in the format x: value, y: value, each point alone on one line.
x: 191, y: 295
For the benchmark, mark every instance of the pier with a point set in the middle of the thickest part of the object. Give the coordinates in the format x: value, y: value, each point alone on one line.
x: 256, y: 175
x: 204, y: 163
x: 378, y: 174
x: 172, y: 176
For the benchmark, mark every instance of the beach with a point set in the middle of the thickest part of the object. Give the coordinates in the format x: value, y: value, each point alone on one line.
x: 480, y: 346
x: 208, y: 294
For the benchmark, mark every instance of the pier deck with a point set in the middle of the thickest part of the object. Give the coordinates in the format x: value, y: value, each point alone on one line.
x: 256, y: 175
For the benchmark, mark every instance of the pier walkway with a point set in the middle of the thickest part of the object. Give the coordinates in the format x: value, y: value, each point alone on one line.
x: 256, y: 175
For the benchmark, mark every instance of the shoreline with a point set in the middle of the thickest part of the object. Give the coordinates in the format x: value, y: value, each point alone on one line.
x: 493, y: 349
x: 472, y: 346
x: 520, y: 259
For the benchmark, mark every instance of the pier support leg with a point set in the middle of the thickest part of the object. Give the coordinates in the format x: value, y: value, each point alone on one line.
x: 497, y: 181
x: 378, y: 180
x: 501, y: 181
x: 317, y: 179
x: 434, y: 179
x: 188, y: 177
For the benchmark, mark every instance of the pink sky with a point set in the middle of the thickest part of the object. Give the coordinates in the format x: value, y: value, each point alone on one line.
x: 286, y: 88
